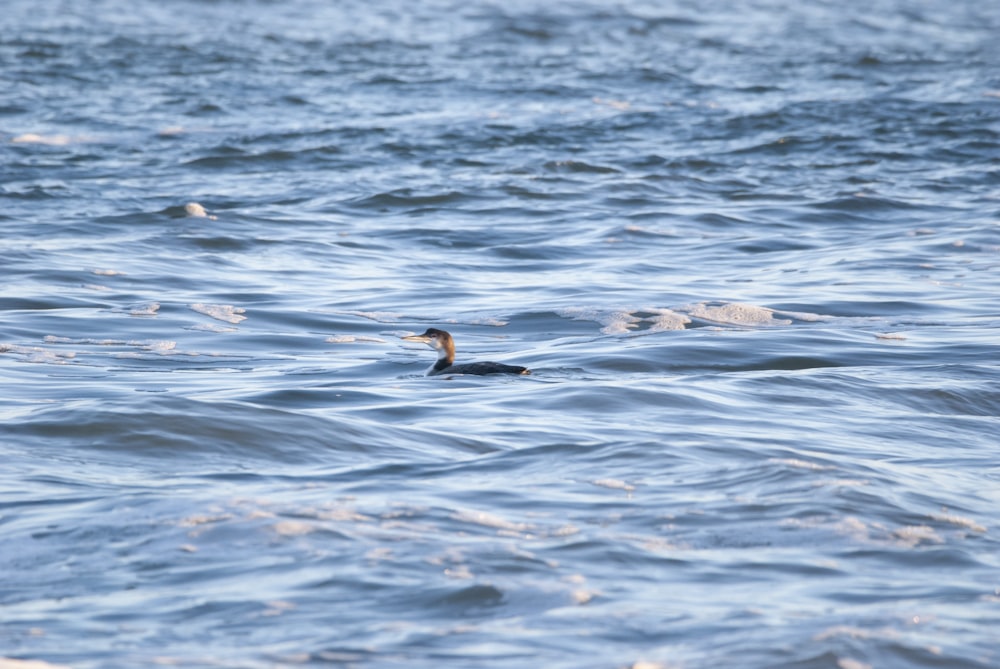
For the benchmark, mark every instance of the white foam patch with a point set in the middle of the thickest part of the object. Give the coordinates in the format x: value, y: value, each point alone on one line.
x: 351, y: 339
x: 666, y: 319
x: 487, y: 320
x: 461, y: 572
x: 802, y: 316
x: 841, y: 483
x: 878, y: 534
x: 147, y: 344
x: 144, y: 309
x: 221, y: 312
x: 617, y: 321
x: 490, y: 520
x: 377, y: 316
x: 108, y: 272
x: 959, y: 521
x: 141, y: 347
x: 736, y: 313
x: 916, y: 535
x: 620, y: 105
x: 47, y: 140
x: 800, y: 464
x: 293, y: 528
x: 204, y: 519
x: 158, y: 346
x: 38, y: 354
x: 850, y: 663
x: 211, y: 327
x: 659, y: 232
x: 614, y: 484
x: 10, y: 663
x: 623, y: 321
x: 195, y: 210
x: 277, y: 608
x: 643, y: 664
x: 337, y: 513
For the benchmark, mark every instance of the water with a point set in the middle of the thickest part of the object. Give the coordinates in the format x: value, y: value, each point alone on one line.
x: 749, y: 249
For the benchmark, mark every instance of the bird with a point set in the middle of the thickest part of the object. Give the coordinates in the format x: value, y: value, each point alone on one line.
x: 442, y: 342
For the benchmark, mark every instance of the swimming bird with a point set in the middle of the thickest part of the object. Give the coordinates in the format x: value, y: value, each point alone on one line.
x: 442, y: 342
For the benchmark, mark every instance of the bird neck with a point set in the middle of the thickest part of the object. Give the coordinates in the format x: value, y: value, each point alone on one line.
x: 446, y: 355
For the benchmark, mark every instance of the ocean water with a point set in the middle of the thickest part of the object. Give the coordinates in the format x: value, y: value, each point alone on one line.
x: 749, y: 249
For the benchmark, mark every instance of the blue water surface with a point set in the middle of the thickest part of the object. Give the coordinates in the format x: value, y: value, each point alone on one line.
x: 749, y: 249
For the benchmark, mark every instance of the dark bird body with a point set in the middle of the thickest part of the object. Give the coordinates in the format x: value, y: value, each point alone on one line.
x: 442, y: 342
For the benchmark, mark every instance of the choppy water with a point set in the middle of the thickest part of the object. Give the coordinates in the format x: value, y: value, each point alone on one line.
x: 749, y: 249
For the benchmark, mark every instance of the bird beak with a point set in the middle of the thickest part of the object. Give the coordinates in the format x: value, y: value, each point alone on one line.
x: 420, y: 338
